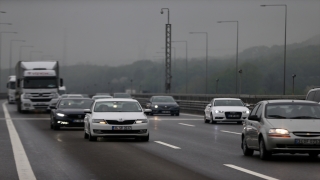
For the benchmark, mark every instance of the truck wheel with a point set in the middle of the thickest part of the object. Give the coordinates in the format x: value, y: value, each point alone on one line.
x: 19, y: 106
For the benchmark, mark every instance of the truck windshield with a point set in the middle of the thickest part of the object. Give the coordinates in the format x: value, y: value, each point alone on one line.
x: 47, y: 82
x: 12, y: 85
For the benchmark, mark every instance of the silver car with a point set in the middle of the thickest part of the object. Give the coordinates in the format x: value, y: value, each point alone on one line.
x: 282, y: 126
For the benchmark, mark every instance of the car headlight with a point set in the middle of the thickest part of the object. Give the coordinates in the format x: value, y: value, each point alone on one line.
x: 27, y: 96
x: 60, y: 114
x: 245, y: 112
x: 218, y: 111
x: 55, y: 96
x: 100, y: 121
x: 155, y: 106
x: 279, y: 132
x: 139, y: 121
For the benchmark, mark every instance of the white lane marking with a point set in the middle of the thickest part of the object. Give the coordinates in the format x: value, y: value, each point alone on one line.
x: 187, y: 124
x: 192, y: 115
x: 250, y: 172
x: 169, y: 145
x: 22, y: 163
x: 230, y: 132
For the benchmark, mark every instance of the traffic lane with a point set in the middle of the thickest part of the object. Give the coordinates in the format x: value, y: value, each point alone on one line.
x: 182, y: 116
x: 225, y: 148
x: 64, y: 154
x: 12, y: 108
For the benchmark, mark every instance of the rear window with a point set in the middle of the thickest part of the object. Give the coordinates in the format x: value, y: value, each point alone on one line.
x: 292, y: 111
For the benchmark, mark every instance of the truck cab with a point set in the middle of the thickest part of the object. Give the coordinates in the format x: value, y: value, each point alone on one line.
x: 11, y: 89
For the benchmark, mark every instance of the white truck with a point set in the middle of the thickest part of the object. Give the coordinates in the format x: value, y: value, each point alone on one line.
x: 11, y: 89
x: 37, y: 85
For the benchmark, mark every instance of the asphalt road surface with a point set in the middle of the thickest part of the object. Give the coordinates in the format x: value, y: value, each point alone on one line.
x: 180, y: 147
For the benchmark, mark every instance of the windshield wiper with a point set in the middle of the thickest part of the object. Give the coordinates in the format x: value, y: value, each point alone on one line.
x: 304, y: 117
x: 277, y: 116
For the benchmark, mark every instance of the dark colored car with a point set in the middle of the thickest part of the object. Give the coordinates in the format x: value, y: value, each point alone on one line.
x: 121, y: 95
x: 69, y: 112
x: 163, y: 105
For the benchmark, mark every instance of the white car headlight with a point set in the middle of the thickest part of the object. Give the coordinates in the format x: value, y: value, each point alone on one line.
x: 245, y: 112
x: 55, y: 96
x: 139, y: 121
x: 218, y: 111
x: 155, y: 106
x: 27, y: 96
x: 100, y: 121
x: 278, y: 132
x: 60, y: 114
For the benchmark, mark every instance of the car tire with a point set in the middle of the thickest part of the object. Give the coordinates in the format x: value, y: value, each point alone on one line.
x: 211, y: 120
x: 51, y: 124
x: 246, y: 151
x: 239, y: 122
x: 177, y: 114
x: 19, y: 106
x: 56, y: 127
x: 264, y: 154
x: 145, y: 139
x: 205, y: 118
x: 313, y: 155
x: 172, y: 114
x: 92, y: 138
x: 86, y: 136
x: 151, y: 114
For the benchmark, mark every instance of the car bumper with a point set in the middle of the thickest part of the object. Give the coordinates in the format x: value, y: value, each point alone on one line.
x: 105, y: 130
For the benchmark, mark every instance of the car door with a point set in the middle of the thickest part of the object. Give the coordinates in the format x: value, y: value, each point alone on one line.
x: 255, y: 125
x: 249, y: 129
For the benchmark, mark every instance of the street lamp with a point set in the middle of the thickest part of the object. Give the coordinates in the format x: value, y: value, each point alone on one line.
x: 293, y: 76
x: 174, y: 60
x: 217, y: 80
x: 30, y: 58
x: 240, y: 72
x: 237, y: 51
x: 20, y: 51
x: 285, y: 44
x: 186, y: 64
x: 206, y: 33
x: 10, y: 59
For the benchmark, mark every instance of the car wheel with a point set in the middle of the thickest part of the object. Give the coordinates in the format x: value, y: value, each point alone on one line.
x: 92, y: 138
x: 313, y: 155
x: 86, y: 136
x: 264, y: 154
x: 239, y: 122
x: 151, y: 114
x: 55, y: 126
x: 51, y: 124
x: 177, y: 114
x: 245, y: 149
x: 145, y: 139
x: 205, y: 118
x: 211, y: 119
x: 19, y: 106
x: 172, y: 114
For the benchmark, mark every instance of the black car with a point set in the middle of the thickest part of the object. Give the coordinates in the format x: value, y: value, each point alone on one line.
x: 69, y: 112
x: 163, y: 105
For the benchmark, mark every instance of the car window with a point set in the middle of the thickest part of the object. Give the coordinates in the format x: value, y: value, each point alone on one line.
x: 317, y: 96
x: 253, y: 112
x: 117, y: 106
x: 75, y: 104
x: 163, y: 99
x: 293, y: 111
x: 228, y: 103
x: 311, y: 96
x: 259, y: 111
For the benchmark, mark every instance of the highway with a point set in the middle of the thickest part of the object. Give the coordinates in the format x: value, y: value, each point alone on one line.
x: 180, y: 147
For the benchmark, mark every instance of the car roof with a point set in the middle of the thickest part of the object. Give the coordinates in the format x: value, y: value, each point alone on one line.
x: 161, y: 96
x: 117, y: 99
x: 120, y: 93
x: 101, y: 96
x: 289, y: 100
x: 77, y: 98
x: 227, y: 99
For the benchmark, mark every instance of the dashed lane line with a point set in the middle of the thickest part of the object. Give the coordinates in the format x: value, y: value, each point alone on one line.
x: 230, y: 132
x: 23, y: 166
x: 186, y: 124
x: 166, y: 144
x: 250, y: 172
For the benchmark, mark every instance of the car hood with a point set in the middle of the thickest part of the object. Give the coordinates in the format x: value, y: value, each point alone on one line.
x: 291, y: 125
x: 230, y: 108
x: 70, y: 111
x: 164, y: 103
x: 119, y: 115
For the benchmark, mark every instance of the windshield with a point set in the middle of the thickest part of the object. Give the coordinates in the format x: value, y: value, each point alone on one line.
x: 228, y: 103
x: 117, y: 106
x: 101, y: 97
x: 75, y: 104
x: 47, y: 82
x: 12, y: 85
x: 293, y: 111
x: 163, y: 99
x: 122, y: 95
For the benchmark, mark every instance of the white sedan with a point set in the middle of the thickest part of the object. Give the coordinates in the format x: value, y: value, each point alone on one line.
x: 226, y: 110
x: 116, y: 118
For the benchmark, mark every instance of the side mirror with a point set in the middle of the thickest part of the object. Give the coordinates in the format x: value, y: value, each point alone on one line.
x: 254, y: 118
x: 247, y: 105
x: 147, y: 110
x: 52, y: 107
x: 209, y: 105
x: 18, y: 83
x: 87, y: 111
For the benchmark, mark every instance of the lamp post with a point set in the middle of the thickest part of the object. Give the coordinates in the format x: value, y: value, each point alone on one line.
x: 293, y: 76
x: 10, y: 59
x: 217, y: 80
x: 162, y: 57
x: 174, y: 61
x: 237, y: 51
x: 20, y: 51
x: 240, y: 72
x: 186, y: 63
x: 168, y: 75
x: 30, y: 58
x: 206, y: 33
x: 285, y: 44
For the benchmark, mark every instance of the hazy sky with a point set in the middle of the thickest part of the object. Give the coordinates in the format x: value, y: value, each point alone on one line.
x: 117, y: 32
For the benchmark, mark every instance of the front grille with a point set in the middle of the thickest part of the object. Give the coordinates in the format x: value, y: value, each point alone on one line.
x: 122, y: 131
x: 115, y: 122
x: 40, y: 100
x: 40, y: 94
x: 307, y: 134
x: 298, y: 146
x: 233, y: 115
x: 76, y: 116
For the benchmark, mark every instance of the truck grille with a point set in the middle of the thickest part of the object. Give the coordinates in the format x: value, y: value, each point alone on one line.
x: 115, y: 122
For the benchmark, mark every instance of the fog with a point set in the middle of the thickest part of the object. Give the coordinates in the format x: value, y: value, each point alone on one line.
x: 116, y: 32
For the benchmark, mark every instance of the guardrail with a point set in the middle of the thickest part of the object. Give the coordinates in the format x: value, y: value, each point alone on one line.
x: 195, y: 103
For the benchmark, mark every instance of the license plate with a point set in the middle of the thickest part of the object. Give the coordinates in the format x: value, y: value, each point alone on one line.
x: 165, y: 111
x: 121, y: 128
x: 78, y: 120
x: 307, y: 141
x: 233, y: 116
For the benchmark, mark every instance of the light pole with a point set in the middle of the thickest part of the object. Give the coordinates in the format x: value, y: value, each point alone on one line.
x: 240, y: 72
x: 20, y: 51
x: 217, y: 80
x: 237, y: 51
x: 206, y: 33
x: 168, y: 53
x: 162, y: 57
x: 285, y: 44
x: 174, y: 62
x: 186, y: 64
x: 10, y: 59
x: 30, y: 58
x: 293, y: 76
